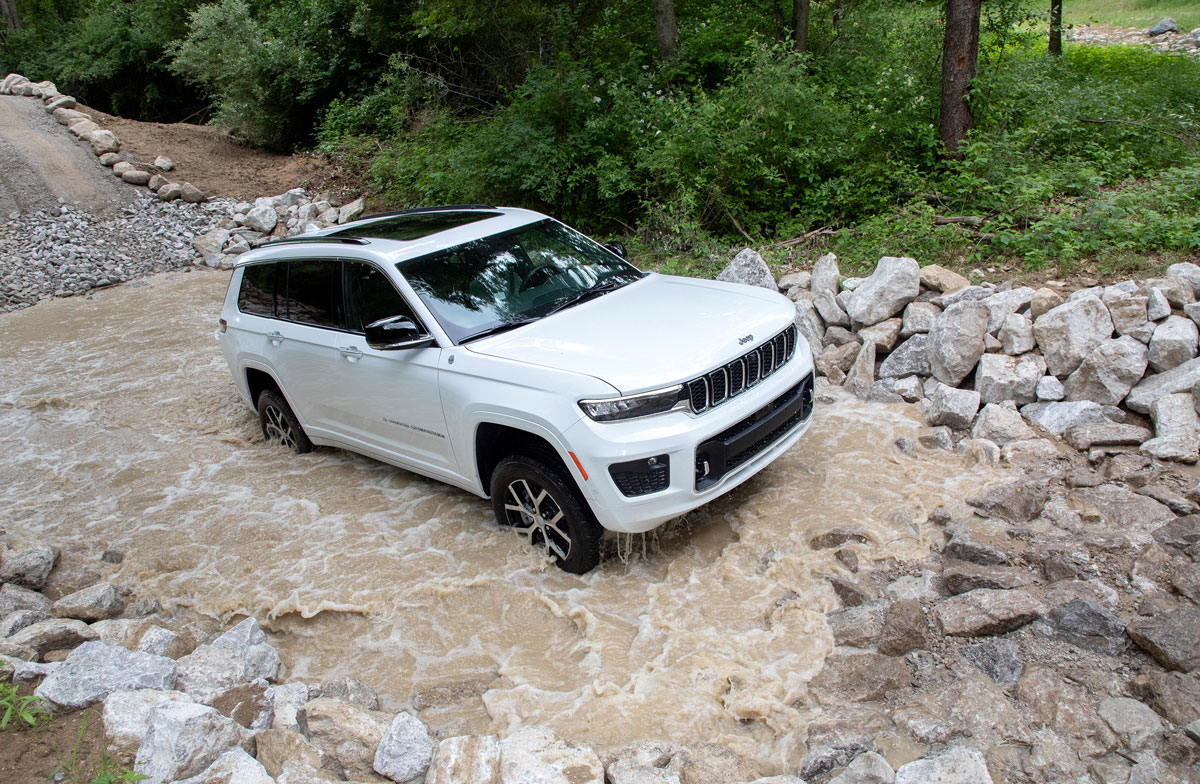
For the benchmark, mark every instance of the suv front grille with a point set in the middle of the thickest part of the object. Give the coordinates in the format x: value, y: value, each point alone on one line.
x: 728, y: 381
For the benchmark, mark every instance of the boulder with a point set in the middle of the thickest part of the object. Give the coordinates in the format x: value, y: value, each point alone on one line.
x: 883, y: 334
x: 95, y: 603
x: 156, y: 182
x: 839, y: 359
x: 831, y: 313
x: 252, y: 705
x: 956, y: 341
x: 29, y: 567
x: 997, y: 659
x: 809, y: 324
x: 748, y: 269
x: 1057, y: 417
x: 183, y: 739
x: 121, y: 167
x: 1119, y: 507
x: 169, y: 192
x: 191, y: 194
x: 904, y: 628
x: 1135, y: 725
x: 985, y: 612
x: 127, y: 714
x: 13, y: 597
x: 859, y: 677
x: 1173, y: 638
x: 136, y: 177
x: 1157, y: 305
x: 963, y: 576
x: 96, y: 669
x: 955, y: 408
x: 1130, y: 317
x: 53, y: 635
x: 858, y: 626
x: 470, y: 759
x: 1108, y: 373
x: 104, y: 142
x: 911, y: 358
x: 1189, y: 272
x: 1050, y: 390
x: 1016, y: 502
x: 233, y: 767
x: 1069, y: 332
x: 211, y: 242
x: 1085, y: 623
x: 262, y: 219
x: 404, y: 751
x: 1176, y: 429
x: 288, y: 698
x: 346, y: 733
x: 1001, y: 378
x: 1179, y: 379
x: 862, y: 373
x: 1001, y: 424
x: 83, y: 129
x: 918, y: 317
x: 535, y: 755
x: 837, y: 736
x: 1084, y: 437
x: 1044, y: 300
x: 825, y: 275
x: 277, y: 749
x: 17, y: 620
x: 938, y: 278
x: 349, y: 212
x: 1003, y: 304
x: 956, y: 765
x: 163, y: 163
x: 1173, y: 343
x: 867, y: 768
x: 894, y: 283
x: 1016, y: 335
x: 1164, y: 25
x: 1173, y: 695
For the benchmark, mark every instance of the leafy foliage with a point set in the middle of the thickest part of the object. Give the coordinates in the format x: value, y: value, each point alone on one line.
x: 20, y: 712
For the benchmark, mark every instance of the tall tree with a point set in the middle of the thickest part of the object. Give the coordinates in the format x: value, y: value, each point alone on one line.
x: 1056, y: 28
x: 9, y: 9
x: 960, y: 51
x: 800, y: 25
x: 664, y: 23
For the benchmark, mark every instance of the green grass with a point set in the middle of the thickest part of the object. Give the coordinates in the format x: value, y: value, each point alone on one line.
x: 1133, y: 13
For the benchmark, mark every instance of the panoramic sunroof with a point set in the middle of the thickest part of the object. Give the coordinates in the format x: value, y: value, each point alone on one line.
x: 412, y: 227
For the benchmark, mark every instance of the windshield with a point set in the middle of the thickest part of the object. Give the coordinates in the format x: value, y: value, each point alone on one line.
x: 509, y: 279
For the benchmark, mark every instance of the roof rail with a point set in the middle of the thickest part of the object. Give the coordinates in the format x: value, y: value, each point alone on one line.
x: 416, y: 210
x: 301, y: 240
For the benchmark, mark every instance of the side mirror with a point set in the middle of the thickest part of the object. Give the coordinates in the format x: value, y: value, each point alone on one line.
x: 396, y: 332
x: 616, y: 248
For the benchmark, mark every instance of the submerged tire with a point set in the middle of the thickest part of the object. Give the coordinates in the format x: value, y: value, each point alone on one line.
x: 279, y: 424
x: 543, y: 506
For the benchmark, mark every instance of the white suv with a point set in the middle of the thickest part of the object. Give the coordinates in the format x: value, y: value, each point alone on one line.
x: 502, y: 352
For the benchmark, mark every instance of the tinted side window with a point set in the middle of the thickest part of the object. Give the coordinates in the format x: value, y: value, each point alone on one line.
x: 370, y: 297
x: 257, y: 295
x: 314, y: 293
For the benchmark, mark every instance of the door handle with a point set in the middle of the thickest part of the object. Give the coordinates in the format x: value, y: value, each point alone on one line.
x: 351, y: 353
x: 275, y: 337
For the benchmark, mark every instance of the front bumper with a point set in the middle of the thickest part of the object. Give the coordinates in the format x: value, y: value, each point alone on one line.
x: 707, y: 455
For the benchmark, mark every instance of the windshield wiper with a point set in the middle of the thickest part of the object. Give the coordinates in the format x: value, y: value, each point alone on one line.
x: 612, y: 284
x: 483, y: 333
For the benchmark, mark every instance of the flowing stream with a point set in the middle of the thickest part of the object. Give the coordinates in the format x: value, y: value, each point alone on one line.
x: 120, y: 428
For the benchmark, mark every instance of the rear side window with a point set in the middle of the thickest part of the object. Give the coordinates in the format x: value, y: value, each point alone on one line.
x: 257, y: 295
x: 314, y: 293
x: 370, y: 297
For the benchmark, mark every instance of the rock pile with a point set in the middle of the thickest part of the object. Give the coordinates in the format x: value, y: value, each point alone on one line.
x: 1164, y: 35
x: 1110, y: 369
x: 105, y: 143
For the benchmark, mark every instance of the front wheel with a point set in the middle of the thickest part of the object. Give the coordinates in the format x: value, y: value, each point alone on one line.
x: 543, y: 507
x: 279, y: 424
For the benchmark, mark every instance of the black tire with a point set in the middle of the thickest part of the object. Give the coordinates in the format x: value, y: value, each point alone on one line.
x: 542, y: 505
x: 279, y: 424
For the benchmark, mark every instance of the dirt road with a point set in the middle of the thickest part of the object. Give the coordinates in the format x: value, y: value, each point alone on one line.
x: 42, y: 163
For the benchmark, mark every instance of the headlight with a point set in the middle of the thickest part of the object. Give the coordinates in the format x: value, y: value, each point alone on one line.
x: 633, y: 406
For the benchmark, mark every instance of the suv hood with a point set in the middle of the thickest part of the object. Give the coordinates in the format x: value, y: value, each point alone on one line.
x: 655, y: 332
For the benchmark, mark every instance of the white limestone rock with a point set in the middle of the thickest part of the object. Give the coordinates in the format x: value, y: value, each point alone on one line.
x: 96, y: 669
x: 956, y: 341
x: 918, y: 317
x: 1108, y: 373
x: 28, y: 567
x: 182, y: 740
x: 404, y: 751
x: 1173, y: 343
x: 911, y: 358
x: 1003, y: 304
x: 894, y: 283
x: 233, y: 767
x: 748, y: 269
x: 1134, y: 723
x: 1000, y: 377
x: 127, y: 714
x: 344, y: 732
x: 349, y: 212
x: 1050, y: 389
x: 956, y: 765
x: 1067, y: 333
x: 1001, y: 424
x: 1057, y: 417
x: 1016, y: 335
x: 535, y: 755
x: 955, y: 408
x: 883, y: 335
x: 1178, y: 379
x: 1157, y: 306
x: 831, y: 313
x: 262, y: 219
x: 1130, y: 317
x: 53, y: 635
x: 1176, y: 429
x: 825, y: 275
x: 95, y: 603
x: 468, y: 759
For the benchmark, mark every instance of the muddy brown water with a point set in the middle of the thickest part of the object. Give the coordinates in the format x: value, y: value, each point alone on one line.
x: 120, y: 428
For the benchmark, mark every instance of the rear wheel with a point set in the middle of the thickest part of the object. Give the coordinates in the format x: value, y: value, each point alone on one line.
x: 279, y: 424
x: 540, y: 503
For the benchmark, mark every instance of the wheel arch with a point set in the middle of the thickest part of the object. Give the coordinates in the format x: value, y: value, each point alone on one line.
x: 258, y: 380
x: 494, y: 442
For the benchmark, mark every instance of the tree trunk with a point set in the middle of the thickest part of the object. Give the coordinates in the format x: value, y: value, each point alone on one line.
x: 959, y: 53
x: 800, y: 25
x: 9, y: 8
x: 664, y: 22
x: 1056, y: 28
